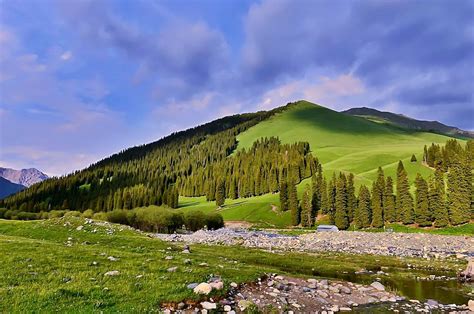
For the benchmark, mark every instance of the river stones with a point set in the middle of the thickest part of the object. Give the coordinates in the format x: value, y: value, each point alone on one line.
x: 203, y: 288
x: 378, y: 286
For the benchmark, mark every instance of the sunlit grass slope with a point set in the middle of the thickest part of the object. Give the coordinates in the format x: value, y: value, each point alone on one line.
x: 341, y: 142
x: 346, y: 143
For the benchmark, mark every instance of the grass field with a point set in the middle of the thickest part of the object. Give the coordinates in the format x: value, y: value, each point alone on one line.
x: 51, y: 266
x: 341, y: 142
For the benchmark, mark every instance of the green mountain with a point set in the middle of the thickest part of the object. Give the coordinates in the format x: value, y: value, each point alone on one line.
x: 407, y: 122
x: 8, y: 188
x: 243, y: 158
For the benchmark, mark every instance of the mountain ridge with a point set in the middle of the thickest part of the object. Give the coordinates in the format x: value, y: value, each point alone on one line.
x: 7, y: 188
x: 404, y: 121
x: 25, y: 177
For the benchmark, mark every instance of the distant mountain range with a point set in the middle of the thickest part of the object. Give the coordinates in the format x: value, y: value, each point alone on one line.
x: 407, y: 122
x: 8, y: 188
x: 25, y: 177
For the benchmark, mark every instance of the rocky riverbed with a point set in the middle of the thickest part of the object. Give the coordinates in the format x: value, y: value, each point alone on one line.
x: 393, y: 244
x: 283, y: 294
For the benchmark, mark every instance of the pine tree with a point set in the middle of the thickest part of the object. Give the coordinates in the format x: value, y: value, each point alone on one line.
x: 378, y: 189
x: 404, y: 199
x: 362, y: 215
x: 413, y: 158
x: 283, y: 195
x: 332, y: 199
x: 324, y: 197
x: 341, y: 217
x: 351, y: 198
x: 389, y: 202
x: 233, y: 188
x: 307, y: 217
x: 459, y: 199
x: 220, y: 193
x: 422, y: 212
x: 293, y: 204
x: 437, y: 200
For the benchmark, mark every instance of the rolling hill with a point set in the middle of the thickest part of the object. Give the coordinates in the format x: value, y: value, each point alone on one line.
x: 407, y: 122
x: 191, y: 160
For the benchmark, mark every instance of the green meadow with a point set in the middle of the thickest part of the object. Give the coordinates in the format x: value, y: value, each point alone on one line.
x: 51, y: 266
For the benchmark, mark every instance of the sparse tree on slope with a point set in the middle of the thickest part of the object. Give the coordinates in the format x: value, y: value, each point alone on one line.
x: 220, y: 193
x: 293, y: 204
x: 332, y: 199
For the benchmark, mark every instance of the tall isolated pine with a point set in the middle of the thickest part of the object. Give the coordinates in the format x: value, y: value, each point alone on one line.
x: 341, y: 217
x: 351, y: 198
x: 404, y: 199
x: 362, y: 214
x: 378, y: 189
x: 307, y: 217
x: 422, y: 210
x: 332, y: 199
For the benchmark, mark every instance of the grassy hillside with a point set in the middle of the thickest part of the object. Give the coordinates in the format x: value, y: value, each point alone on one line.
x: 39, y: 275
x: 346, y: 143
x: 341, y: 142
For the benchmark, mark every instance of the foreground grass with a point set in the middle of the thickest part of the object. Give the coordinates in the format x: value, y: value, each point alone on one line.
x: 43, y: 271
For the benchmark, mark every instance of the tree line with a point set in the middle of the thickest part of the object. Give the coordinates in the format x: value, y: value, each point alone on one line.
x: 446, y: 198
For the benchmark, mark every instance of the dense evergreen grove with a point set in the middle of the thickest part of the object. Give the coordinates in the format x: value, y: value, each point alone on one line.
x: 437, y: 201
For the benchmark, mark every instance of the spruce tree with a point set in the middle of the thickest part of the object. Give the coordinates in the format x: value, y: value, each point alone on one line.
x: 390, y: 214
x: 378, y: 189
x: 437, y: 199
x: 293, y: 204
x: 351, y: 198
x: 307, y: 217
x: 283, y: 195
x: 404, y: 199
x: 422, y: 212
x: 459, y: 199
x: 341, y: 217
x: 324, y: 197
x: 362, y: 214
x: 220, y: 193
x: 332, y: 199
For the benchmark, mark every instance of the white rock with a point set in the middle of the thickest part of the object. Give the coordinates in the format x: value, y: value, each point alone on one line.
x: 79, y: 228
x: 203, y: 288
x: 112, y: 273
x: 470, y: 305
x: 112, y: 259
x: 378, y: 286
x: 234, y: 285
x: 227, y: 308
x: 208, y: 305
x: 172, y: 269
x: 218, y: 285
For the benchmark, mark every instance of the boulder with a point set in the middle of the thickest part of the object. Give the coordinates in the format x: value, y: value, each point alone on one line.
x: 470, y: 305
x: 378, y: 286
x: 208, y: 305
x: 468, y: 274
x: 218, y: 285
x: 203, y: 288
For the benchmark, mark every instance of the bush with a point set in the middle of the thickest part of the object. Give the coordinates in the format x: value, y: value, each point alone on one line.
x: 72, y: 213
x: 88, y: 213
x: 27, y: 216
x: 413, y: 158
x: 2, y: 212
x: 214, y: 221
x: 100, y: 216
x: 10, y: 214
x: 194, y: 220
x: 56, y: 213
x: 43, y: 215
x: 118, y: 216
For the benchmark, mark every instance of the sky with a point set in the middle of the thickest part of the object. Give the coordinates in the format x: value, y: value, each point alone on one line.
x: 80, y: 79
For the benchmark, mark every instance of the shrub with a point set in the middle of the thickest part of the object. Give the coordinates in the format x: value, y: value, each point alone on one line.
x: 56, y: 213
x: 413, y: 158
x: 88, y: 213
x: 10, y: 214
x: 214, y: 221
x: 194, y: 220
x: 72, y: 213
x: 2, y: 212
x: 27, y: 216
x: 118, y: 216
x: 100, y: 216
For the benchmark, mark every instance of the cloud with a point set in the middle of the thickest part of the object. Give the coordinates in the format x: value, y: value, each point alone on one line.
x: 66, y: 55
